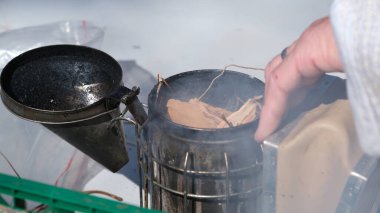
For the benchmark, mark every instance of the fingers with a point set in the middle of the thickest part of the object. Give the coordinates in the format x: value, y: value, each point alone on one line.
x: 280, y: 83
x: 277, y: 60
x: 271, y: 66
x: 269, y: 69
x: 288, y: 79
x: 286, y: 86
x: 270, y: 116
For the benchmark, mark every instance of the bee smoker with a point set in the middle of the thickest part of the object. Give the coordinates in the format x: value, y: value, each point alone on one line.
x: 203, y: 170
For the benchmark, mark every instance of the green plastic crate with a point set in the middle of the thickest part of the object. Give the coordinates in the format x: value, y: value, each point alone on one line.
x: 58, y: 199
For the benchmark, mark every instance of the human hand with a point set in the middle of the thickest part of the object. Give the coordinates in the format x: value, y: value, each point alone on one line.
x: 288, y: 79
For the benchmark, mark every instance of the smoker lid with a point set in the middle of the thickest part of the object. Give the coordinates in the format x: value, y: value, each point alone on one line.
x: 59, y: 83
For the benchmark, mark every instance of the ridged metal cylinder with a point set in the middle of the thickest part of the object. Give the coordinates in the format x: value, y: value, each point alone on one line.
x: 203, y: 170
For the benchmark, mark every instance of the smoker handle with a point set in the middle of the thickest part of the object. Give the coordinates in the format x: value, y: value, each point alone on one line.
x: 129, y: 98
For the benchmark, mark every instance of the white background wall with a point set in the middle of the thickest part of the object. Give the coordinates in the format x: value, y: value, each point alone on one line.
x: 169, y: 36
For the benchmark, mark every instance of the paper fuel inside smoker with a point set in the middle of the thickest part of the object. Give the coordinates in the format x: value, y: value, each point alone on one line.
x: 196, y: 113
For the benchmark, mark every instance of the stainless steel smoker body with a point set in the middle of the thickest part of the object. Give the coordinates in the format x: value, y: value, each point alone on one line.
x: 203, y: 170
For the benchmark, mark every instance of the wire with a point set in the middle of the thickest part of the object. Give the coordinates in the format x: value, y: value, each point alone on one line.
x: 42, y: 206
x: 10, y: 164
x: 224, y: 69
x: 66, y: 169
x: 39, y: 208
x: 104, y: 193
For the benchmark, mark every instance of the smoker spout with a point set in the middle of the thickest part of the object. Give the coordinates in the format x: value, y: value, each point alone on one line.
x: 129, y: 98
